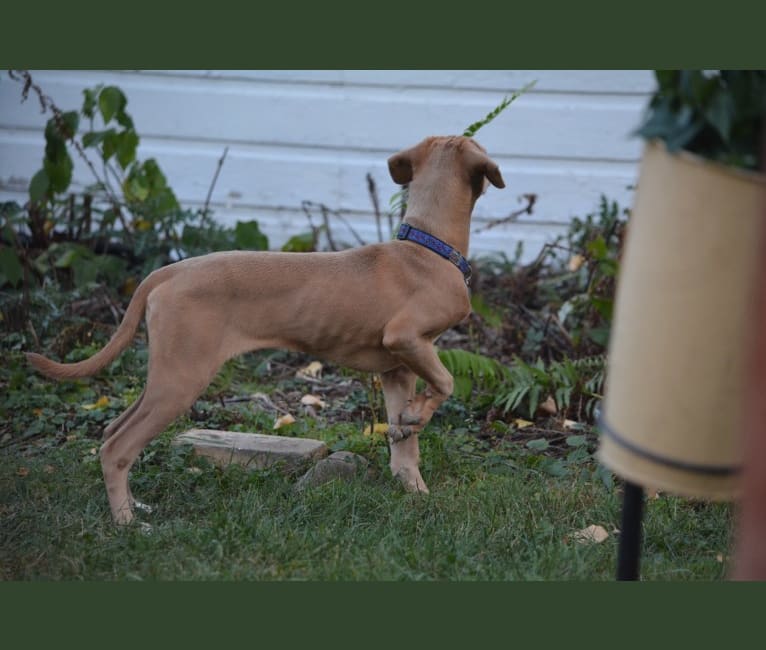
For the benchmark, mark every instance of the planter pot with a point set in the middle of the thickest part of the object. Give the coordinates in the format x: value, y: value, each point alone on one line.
x: 672, y: 412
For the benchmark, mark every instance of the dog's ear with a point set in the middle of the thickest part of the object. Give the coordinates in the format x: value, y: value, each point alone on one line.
x: 480, y: 165
x: 400, y: 166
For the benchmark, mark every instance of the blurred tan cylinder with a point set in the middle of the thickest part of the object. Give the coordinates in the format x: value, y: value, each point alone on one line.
x: 672, y: 414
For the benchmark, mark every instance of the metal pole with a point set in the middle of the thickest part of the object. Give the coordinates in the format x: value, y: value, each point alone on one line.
x: 629, y: 550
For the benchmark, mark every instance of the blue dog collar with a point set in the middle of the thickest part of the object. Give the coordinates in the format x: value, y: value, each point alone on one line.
x: 407, y: 232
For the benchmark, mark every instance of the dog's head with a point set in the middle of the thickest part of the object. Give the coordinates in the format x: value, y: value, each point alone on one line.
x: 458, y: 155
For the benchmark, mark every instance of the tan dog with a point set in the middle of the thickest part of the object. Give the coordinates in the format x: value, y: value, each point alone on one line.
x: 376, y: 308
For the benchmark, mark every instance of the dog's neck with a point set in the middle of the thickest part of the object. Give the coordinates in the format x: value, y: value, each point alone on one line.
x: 444, y: 212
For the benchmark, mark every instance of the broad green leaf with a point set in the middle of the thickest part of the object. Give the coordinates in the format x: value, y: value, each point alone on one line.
x: 124, y: 120
x: 110, y: 101
x: 71, y: 120
x: 248, y: 235
x: 539, y: 444
x: 127, y: 141
x: 59, y: 173
x: 135, y: 188
x: 302, y: 243
x: 576, y: 441
x: 93, y: 138
x: 10, y: 266
x: 554, y: 467
x: 39, y: 186
x: 109, y: 144
x: 90, y: 99
x: 70, y: 252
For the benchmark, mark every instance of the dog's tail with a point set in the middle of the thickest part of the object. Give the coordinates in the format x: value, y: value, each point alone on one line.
x: 119, y: 341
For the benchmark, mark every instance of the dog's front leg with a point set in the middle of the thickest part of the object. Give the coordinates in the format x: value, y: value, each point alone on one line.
x: 398, y: 391
x: 419, y: 355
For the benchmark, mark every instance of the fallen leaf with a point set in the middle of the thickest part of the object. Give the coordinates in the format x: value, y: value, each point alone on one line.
x: 194, y: 470
x: 93, y: 451
x: 591, y: 535
x: 380, y: 427
x: 522, y: 424
x: 100, y: 403
x: 22, y: 472
x: 37, y: 412
x: 283, y: 420
x: 312, y: 371
x: 549, y: 405
x: 575, y: 262
x: 572, y: 424
x: 313, y: 400
x: 49, y: 469
x: 129, y: 286
x: 719, y: 557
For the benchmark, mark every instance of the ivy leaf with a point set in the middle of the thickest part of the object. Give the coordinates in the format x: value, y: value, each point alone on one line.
x: 38, y: 186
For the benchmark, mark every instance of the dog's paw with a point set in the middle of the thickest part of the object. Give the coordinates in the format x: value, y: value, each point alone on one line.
x: 411, y: 480
x: 397, y: 432
x: 409, y: 417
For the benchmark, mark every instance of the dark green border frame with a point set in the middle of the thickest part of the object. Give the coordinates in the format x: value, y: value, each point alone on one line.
x: 469, y: 615
x: 381, y: 36
x: 404, y: 35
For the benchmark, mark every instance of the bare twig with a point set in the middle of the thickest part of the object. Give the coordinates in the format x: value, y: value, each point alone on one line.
x: 531, y: 199
x: 326, y: 222
x: 215, y: 179
x: 326, y: 213
x: 373, y: 190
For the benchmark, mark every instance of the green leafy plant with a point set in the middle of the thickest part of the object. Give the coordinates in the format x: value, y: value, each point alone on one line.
x: 127, y: 221
x: 471, y: 370
x: 717, y: 114
x: 528, y: 384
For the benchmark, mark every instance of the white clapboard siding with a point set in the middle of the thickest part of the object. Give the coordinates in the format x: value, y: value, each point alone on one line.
x: 313, y: 135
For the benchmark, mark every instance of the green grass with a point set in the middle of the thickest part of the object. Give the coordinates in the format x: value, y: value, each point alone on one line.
x: 498, y: 510
x: 479, y: 523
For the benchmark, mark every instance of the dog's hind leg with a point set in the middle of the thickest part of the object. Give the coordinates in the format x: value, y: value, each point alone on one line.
x: 110, y: 428
x: 398, y: 391
x: 150, y: 418
x: 181, y: 365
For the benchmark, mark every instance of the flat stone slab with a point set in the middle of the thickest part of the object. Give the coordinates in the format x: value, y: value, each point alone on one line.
x: 254, y: 451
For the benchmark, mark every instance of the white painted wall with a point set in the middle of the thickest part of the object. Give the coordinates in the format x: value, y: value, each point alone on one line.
x: 314, y: 135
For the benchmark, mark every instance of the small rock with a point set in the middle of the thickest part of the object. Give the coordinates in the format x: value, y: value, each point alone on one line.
x: 342, y: 465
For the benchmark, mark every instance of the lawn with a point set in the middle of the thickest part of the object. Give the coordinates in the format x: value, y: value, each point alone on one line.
x: 498, y: 509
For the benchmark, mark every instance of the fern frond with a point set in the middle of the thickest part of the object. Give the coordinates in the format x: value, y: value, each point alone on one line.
x: 473, y: 128
x: 472, y: 370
